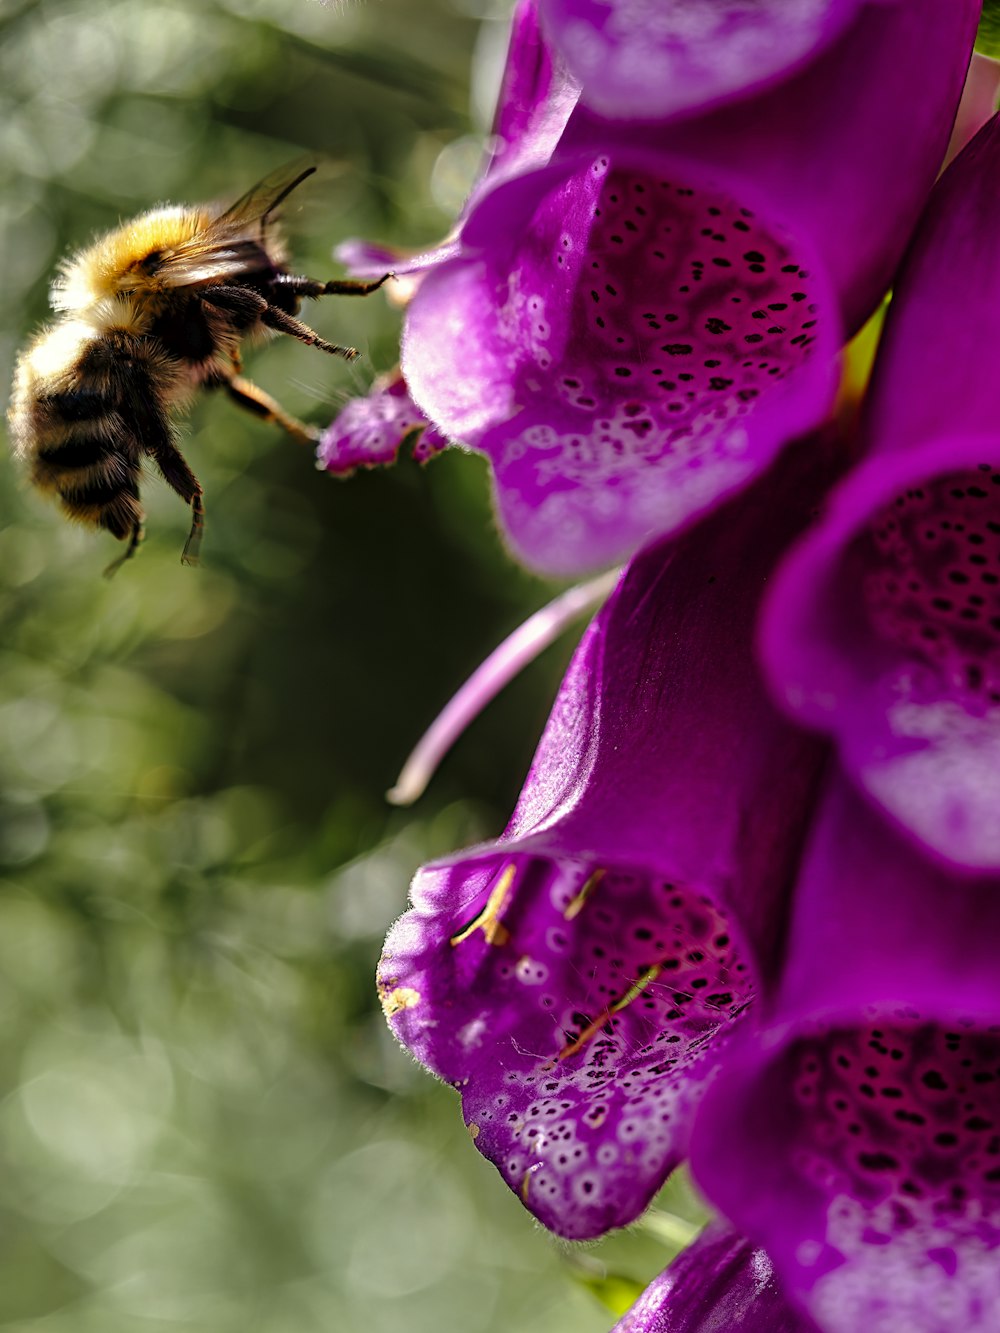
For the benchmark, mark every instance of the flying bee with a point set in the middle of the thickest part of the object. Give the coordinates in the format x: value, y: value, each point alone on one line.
x: 149, y: 314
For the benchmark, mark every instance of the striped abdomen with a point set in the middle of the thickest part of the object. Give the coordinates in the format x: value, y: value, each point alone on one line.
x: 81, y: 429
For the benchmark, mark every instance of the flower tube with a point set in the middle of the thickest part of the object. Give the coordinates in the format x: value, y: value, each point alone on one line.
x: 720, y: 1284
x: 857, y: 1138
x: 884, y: 627
x: 638, y: 60
x: 577, y: 979
x: 632, y: 331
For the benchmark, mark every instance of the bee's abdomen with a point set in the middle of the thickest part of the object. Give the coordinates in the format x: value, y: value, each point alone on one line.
x: 108, y: 499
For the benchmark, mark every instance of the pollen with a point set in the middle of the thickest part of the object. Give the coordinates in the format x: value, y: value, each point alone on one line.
x: 395, y: 1001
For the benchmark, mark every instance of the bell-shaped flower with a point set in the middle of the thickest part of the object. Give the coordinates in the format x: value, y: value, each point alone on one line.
x: 857, y: 1137
x: 721, y: 1283
x: 884, y: 628
x: 641, y: 60
x: 577, y: 978
x: 632, y: 331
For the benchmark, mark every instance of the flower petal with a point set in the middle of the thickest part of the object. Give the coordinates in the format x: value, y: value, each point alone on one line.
x: 577, y: 979
x: 643, y: 61
x: 605, y: 334
x: 884, y: 627
x: 536, y: 98
x: 642, y: 346
x: 372, y: 430
x: 858, y: 1138
x: 720, y: 1284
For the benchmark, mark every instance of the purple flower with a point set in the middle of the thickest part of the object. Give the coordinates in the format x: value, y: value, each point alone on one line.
x: 720, y: 1284
x: 577, y: 979
x: 644, y: 60
x: 632, y: 331
x: 857, y: 1137
x: 371, y: 431
x: 884, y: 628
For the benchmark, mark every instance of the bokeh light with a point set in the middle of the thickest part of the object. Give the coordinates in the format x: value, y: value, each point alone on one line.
x: 203, y: 1121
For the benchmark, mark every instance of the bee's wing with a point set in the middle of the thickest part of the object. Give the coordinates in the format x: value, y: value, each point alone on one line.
x: 262, y: 199
x: 223, y: 249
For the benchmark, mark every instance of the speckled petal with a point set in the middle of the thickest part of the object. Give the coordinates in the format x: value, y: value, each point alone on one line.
x: 858, y: 1138
x: 371, y: 431
x: 643, y: 60
x: 647, y: 348
x: 720, y: 1284
x: 578, y: 979
x: 627, y: 331
x: 884, y: 628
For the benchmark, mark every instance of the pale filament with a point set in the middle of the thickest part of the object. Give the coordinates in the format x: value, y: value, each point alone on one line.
x: 486, y: 682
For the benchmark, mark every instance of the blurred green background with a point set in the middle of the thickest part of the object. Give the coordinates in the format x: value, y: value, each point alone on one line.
x: 203, y: 1122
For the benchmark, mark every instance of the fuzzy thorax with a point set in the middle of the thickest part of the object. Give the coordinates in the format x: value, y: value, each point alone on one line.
x: 115, y: 262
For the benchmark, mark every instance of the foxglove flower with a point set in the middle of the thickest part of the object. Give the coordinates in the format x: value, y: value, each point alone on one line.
x: 577, y: 979
x: 857, y: 1137
x: 648, y: 61
x: 721, y: 1283
x: 632, y: 331
x: 884, y: 629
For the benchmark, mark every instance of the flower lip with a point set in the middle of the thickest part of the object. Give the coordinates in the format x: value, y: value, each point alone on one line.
x: 857, y: 1136
x: 681, y: 60
x: 870, y: 1149
x: 883, y: 629
x: 719, y: 1282
x: 646, y: 338
x: 580, y: 1007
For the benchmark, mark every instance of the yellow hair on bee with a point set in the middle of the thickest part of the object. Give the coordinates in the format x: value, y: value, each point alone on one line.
x: 113, y: 262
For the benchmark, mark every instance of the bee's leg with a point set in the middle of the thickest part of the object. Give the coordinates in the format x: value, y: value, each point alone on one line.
x: 285, y: 323
x: 261, y: 404
x: 134, y: 541
x: 302, y: 286
x: 242, y: 301
x: 179, y: 477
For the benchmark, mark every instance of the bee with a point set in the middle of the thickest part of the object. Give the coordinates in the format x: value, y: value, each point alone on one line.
x: 148, y: 314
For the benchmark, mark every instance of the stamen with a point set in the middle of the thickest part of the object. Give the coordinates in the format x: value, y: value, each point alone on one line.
x: 644, y: 979
x: 576, y: 906
x: 486, y: 682
x: 488, y: 920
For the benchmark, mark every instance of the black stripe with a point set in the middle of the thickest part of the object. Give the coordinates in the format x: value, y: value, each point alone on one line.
x: 83, y: 404
x: 119, y: 521
x: 79, y: 453
x: 102, y: 491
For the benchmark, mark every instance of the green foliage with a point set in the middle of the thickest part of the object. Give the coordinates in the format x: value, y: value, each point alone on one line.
x: 988, y: 39
x: 203, y: 1121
